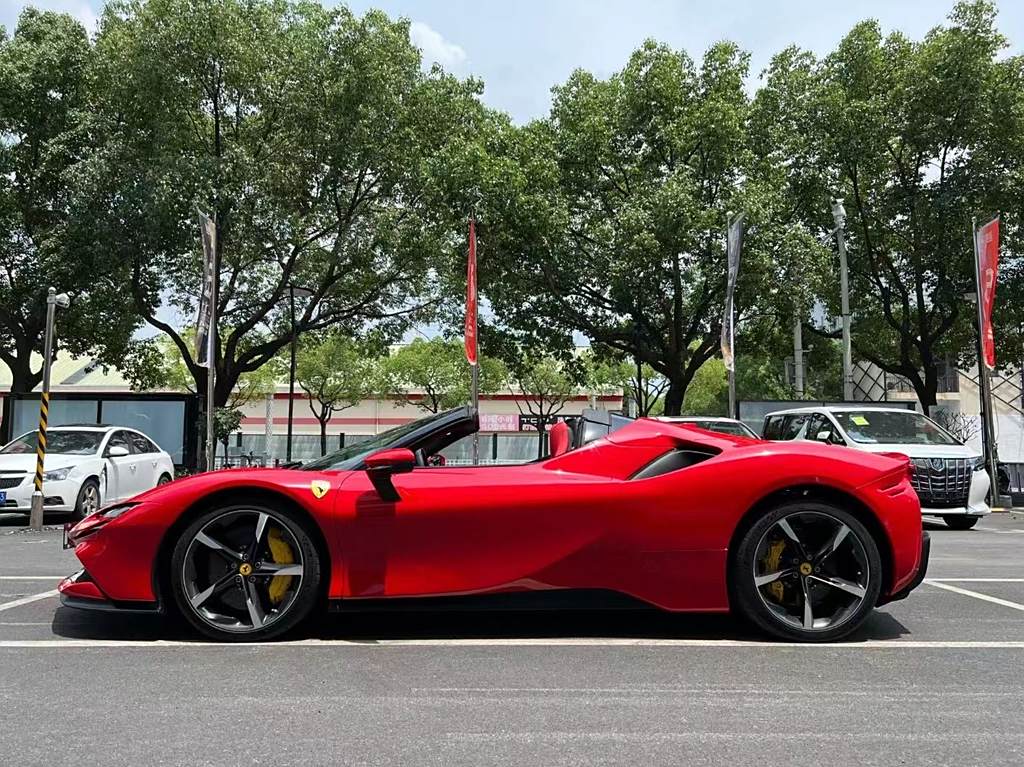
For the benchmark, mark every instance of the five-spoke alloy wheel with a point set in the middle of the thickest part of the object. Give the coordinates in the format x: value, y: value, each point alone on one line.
x: 807, y: 571
x: 245, y: 573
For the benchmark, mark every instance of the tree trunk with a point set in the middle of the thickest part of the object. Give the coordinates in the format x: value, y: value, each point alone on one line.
x: 926, y: 388
x: 674, y: 396
x: 323, y: 436
x: 540, y: 438
x: 23, y: 378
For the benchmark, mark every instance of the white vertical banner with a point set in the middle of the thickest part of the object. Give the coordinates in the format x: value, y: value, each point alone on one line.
x: 204, y: 317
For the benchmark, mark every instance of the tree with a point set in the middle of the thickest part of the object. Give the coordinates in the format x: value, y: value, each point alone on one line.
x: 913, y: 135
x: 608, y: 218
x: 543, y: 386
x: 308, y: 133
x: 642, y: 384
x: 434, y: 375
x: 336, y: 372
x: 43, y: 97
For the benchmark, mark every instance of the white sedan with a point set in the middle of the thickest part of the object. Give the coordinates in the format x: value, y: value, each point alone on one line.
x: 86, y: 467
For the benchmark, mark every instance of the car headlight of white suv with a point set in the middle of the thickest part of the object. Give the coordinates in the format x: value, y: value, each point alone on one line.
x: 56, y: 475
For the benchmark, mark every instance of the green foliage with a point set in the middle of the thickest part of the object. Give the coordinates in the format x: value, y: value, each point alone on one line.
x: 608, y: 218
x: 917, y: 136
x: 43, y: 96
x: 308, y: 132
x: 435, y: 376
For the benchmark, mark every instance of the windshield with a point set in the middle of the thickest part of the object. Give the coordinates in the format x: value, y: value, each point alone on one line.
x: 885, y: 427
x: 726, y: 427
x: 351, y: 456
x: 60, y: 442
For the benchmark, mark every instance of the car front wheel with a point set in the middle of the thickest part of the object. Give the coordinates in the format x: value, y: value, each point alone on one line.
x: 88, y: 499
x: 245, y: 573
x: 806, y: 571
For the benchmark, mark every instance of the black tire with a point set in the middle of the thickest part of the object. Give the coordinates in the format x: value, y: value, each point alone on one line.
x: 959, y: 521
x: 788, y: 619
x: 234, y: 598
x: 164, y: 479
x: 88, y: 499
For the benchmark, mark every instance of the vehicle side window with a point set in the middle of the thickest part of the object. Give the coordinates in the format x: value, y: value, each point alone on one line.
x: 773, y: 427
x: 141, y: 444
x: 793, y: 426
x: 117, y: 439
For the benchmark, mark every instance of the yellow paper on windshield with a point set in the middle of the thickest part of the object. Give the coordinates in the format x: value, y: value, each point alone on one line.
x: 859, y: 420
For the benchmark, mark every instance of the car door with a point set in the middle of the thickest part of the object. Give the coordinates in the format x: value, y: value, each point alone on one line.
x: 462, y: 529
x: 146, y: 461
x: 118, y: 468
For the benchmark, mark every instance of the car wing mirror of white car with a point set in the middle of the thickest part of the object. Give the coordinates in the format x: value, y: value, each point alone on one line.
x: 117, y: 451
x: 824, y: 436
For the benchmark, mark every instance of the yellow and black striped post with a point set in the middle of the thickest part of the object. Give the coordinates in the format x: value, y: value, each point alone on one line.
x: 44, y: 414
x: 35, y: 519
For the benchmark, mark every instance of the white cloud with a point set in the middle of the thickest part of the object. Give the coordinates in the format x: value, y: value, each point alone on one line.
x: 435, y: 48
x: 82, y: 10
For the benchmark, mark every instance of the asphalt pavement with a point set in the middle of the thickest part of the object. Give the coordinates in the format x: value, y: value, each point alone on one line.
x: 936, y: 679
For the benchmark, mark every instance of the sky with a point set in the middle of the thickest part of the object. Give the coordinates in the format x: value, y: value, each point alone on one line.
x: 521, y: 49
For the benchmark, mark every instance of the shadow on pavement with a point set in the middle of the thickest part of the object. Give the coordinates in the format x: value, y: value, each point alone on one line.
x: 370, y: 627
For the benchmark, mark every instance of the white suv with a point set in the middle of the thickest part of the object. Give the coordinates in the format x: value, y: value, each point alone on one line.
x: 949, y: 477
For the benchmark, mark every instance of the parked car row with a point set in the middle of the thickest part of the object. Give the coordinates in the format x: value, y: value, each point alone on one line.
x: 86, y: 467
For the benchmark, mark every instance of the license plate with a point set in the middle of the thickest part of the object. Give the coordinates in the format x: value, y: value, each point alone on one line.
x: 3, y: 497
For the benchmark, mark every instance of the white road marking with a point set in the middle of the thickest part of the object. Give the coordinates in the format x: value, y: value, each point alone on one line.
x: 27, y: 600
x: 355, y: 644
x: 32, y: 577
x: 974, y: 580
x: 978, y: 595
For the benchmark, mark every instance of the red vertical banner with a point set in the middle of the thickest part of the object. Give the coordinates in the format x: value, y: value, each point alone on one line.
x: 470, y: 327
x: 987, y: 246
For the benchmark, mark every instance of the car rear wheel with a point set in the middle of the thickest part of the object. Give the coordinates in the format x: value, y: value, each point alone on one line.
x: 808, y: 572
x: 959, y: 521
x: 88, y: 499
x: 245, y: 573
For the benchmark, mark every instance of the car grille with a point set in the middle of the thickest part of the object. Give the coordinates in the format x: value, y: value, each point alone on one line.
x: 6, y: 483
x: 942, y: 483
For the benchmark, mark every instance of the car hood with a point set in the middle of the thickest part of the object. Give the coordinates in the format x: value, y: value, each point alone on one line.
x: 26, y: 462
x: 918, y: 451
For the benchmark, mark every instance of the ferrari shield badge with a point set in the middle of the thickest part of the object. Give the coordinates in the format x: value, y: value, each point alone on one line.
x: 319, y: 487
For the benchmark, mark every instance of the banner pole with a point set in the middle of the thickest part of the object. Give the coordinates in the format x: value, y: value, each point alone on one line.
x: 984, y: 385
x: 211, y: 360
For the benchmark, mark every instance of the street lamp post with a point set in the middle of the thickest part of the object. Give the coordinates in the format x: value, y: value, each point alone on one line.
x: 839, y: 215
x: 53, y: 300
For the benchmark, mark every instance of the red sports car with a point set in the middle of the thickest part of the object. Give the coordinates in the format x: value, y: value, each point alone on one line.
x: 802, y: 539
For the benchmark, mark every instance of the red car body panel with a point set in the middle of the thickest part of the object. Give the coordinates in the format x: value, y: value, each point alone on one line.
x: 575, y: 521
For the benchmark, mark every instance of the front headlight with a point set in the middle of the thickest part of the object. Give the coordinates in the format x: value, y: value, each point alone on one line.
x: 56, y: 475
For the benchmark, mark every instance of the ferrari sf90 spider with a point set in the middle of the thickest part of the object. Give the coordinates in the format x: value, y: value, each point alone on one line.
x: 803, y: 540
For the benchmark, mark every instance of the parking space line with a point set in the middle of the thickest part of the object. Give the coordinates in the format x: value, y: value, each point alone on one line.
x: 27, y: 600
x: 377, y: 644
x: 974, y: 580
x: 32, y: 577
x: 977, y: 595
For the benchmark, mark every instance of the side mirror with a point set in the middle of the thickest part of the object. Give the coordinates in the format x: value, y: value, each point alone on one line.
x: 117, y: 451
x: 824, y: 436
x: 380, y: 466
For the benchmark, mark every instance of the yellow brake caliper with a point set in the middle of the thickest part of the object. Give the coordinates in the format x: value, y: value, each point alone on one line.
x: 771, y: 565
x: 280, y: 553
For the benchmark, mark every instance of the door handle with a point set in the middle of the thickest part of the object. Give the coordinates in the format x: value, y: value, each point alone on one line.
x: 133, y: 467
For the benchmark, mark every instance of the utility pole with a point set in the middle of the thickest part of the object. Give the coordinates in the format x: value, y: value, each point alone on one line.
x: 53, y: 300
x: 839, y: 215
x: 798, y: 357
